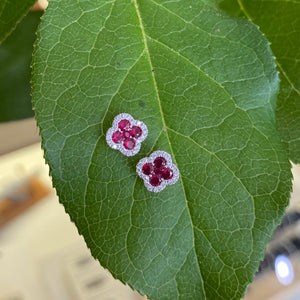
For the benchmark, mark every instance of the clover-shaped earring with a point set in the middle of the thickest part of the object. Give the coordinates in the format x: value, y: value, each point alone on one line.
x: 157, y: 171
x: 126, y: 134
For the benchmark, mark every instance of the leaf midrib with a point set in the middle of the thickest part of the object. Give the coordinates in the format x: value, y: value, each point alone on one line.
x: 166, y: 130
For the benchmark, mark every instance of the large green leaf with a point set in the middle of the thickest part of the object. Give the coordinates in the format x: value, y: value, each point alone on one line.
x: 205, y: 84
x: 11, y: 12
x: 280, y: 22
x: 15, y: 58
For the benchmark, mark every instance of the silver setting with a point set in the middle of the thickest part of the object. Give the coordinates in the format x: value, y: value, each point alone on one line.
x: 164, y: 183
x: 120, y: 146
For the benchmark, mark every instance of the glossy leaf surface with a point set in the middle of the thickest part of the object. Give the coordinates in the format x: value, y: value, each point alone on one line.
x: 280, y: 22
x: 205, y: 84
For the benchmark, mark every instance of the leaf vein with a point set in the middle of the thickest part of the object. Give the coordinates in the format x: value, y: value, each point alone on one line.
x: 162, y: 116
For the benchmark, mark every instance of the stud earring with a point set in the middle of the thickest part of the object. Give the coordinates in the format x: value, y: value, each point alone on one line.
x: 157, y: 171
x: 126, y: 134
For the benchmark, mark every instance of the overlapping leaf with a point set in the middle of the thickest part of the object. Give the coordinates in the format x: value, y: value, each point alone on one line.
x: 15, y: 57
x: 206, y: 85
x: 11, y: 12
x: 280, y: 22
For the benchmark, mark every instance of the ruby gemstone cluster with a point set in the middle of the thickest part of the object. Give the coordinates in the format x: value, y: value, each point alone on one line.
x: 126, y: 134
x: 158, y: 171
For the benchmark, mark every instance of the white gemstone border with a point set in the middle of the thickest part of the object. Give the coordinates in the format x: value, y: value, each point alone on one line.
x: 150, y: 159
x: 120, y: 146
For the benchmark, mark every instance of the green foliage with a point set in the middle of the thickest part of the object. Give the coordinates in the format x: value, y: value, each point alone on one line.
x: 15, y: 58
x: 280, y: 22
x: 206, y: 86
x: 11, y: 12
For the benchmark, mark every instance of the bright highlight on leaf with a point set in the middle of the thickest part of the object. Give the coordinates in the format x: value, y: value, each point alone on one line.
x: 205, y: 84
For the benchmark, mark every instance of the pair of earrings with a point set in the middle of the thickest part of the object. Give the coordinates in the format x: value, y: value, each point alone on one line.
x: 157, y: 170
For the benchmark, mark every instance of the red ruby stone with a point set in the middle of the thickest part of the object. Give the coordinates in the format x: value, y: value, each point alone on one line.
x: 126, y: 134
x: 129, y: 144
x: 147, y: 168
x: 158, y: 172
x: 160, y: 162
x: 167, y: 174
x: 117, y: 137
x: 124, y: 124
x: 155, y: 180
x: 136, y: 132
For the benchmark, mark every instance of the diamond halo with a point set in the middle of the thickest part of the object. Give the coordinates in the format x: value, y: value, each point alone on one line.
x: 168, y: 165
x: 135, y: 140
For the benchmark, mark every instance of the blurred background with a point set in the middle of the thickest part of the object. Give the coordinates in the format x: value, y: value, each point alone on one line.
x: 41, y: 254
